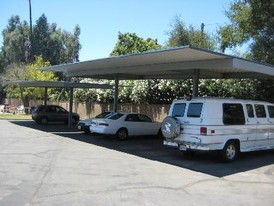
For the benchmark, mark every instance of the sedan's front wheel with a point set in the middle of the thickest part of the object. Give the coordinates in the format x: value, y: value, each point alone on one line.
x: 122, y: 134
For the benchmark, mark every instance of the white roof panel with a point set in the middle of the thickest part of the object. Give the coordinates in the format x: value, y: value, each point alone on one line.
x: 175, y: 63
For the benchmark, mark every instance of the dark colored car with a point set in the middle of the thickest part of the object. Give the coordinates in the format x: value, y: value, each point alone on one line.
x: 83, y: 125
x: 42, y: 114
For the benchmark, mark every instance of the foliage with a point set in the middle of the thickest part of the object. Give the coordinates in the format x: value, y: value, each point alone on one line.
x: 252, y: 22
x: 88, y: 95
x: 236, y: 88
x: 129, y: 43
x: 54, y: 44
x: 14, y: 38
x: 180, y: 35
x: 28, y: 72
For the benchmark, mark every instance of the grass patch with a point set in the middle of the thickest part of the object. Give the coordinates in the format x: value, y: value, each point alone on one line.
x: 14, y: 116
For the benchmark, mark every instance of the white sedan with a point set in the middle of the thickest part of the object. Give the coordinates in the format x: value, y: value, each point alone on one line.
x: 83, y: 125
x: 124, y: 124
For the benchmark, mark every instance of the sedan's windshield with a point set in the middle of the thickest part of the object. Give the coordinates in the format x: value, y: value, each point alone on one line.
x: 115, y: 116
x: 104, y: 115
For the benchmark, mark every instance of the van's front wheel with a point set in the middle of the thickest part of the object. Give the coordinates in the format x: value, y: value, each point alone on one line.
x: 230, y: 151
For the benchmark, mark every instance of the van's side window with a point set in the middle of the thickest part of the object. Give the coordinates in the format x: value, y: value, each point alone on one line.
x: 250, y: 111
x: 270, y: 111
x: 179, y: 110
x: 260, y: 110
x: 233, y: 114
x: 194, y: 109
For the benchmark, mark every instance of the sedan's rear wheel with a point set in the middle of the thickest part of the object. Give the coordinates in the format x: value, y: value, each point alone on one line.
x: 122, y: 134
x: 44, y: 120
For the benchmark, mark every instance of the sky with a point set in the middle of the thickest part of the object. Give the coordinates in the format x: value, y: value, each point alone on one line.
x: 100, y: 21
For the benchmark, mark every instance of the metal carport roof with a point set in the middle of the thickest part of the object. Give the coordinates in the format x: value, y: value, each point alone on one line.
x: 58, y: 84
x: 176, y: 63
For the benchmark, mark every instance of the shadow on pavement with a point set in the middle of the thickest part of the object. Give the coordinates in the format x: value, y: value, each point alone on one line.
x: 152, y: 148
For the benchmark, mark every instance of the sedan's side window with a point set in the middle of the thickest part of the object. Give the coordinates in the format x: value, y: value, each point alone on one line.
x: 50, y: 109
x: 144, y: 118
x: 132, y: 118
x: 60, y: 110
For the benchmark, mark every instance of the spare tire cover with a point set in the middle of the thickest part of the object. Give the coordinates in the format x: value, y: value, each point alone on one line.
x: 170, y: 127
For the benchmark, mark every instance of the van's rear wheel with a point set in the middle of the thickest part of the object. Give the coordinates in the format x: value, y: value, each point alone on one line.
x: 230, y: 151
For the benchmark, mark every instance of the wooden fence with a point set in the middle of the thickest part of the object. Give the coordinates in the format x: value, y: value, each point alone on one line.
x: 90, y: 109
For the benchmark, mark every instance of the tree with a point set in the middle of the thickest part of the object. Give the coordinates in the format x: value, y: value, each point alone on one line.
x: 28, y: 72
x: 54, y: 44
x: 41, y: 38
x: 252, y: 23
x: 129, y: 43
x: 14, y: 38
x: 180, y: 35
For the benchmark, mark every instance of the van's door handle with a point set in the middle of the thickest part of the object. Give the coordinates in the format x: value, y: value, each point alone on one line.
x: 186, y: 122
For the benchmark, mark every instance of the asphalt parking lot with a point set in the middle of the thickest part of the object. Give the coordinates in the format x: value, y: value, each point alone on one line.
x: 54, y: 165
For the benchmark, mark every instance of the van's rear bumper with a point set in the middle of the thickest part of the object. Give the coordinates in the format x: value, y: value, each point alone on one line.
x: 188, y: 146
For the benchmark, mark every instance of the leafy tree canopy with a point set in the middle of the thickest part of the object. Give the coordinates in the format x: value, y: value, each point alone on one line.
x: 54, y: 44
x: 28, y: 72
x: 129, y: 43
x: 181, y: 35
x: 252, y: 22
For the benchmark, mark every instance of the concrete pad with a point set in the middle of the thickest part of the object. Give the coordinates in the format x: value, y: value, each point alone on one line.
x: 42, y: 168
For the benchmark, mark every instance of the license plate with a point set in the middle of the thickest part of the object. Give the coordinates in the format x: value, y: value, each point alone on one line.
x: 182, y: 147
x: 173, y: 144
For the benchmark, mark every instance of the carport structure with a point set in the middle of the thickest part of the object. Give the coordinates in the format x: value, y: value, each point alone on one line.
x: 177, y: 63
x: 60, y: 84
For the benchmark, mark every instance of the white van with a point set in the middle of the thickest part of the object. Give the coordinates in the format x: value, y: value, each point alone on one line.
x: 228, y: 125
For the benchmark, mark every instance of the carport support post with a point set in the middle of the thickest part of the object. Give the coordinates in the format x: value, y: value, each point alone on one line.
x: 46, y: 96
x: 116, y: 93
x: 195, y: 83
x: 70, y: 108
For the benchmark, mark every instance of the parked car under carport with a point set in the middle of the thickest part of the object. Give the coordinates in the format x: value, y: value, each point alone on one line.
x: 83, y: 125
x: 43, y: 114
x: 124, y: 124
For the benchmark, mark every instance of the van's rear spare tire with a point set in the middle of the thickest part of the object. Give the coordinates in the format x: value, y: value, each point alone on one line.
x: 170, y: 127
